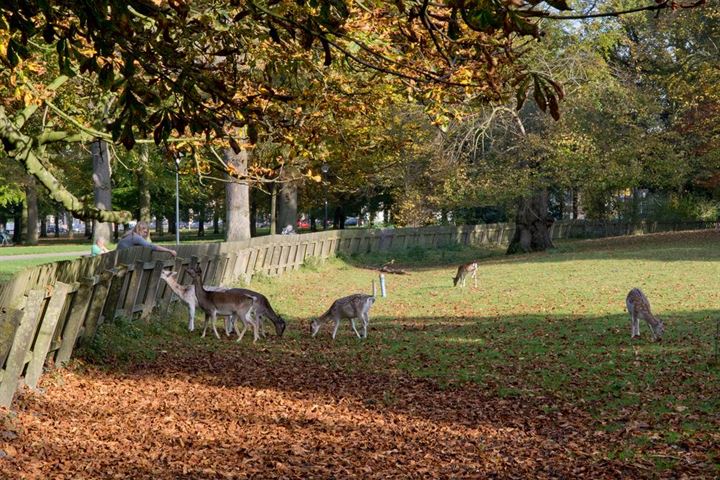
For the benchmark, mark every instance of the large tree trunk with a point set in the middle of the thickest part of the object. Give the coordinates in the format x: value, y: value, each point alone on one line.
x: 57, y: 225
x: 287, y: 203
x: 32, y: 212
x: 237, y: 196
x: 102, y: 187
x: 43, y: 227
x: 273, y: 209
x: 143, y: 186
x: 69, y: 222
x: 253, y: 216
x: 532, y: 225
x: 201, y: 221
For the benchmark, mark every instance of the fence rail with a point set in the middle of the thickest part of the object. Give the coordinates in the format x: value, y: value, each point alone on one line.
x: 45, y: 311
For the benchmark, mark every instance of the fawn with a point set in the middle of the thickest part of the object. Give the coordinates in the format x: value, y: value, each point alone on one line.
x: 186, y: 293
x: 227, y: 302
x: 463, y: 271
x: 639, y: 307
x: 352, y: 307
x: 261, y: 310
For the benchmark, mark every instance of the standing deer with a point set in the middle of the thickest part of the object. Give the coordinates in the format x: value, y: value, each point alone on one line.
x: 639, y: 307
x: 463, y: 271
x: 262, y: 310
x: 226, y: 302
x: 186, y: 293
x: 352, y: 307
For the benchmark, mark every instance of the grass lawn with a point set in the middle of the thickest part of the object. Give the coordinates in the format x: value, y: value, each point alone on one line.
x: 539, y: 356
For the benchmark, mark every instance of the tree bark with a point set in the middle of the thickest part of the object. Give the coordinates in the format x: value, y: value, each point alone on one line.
x: 273, y: 209
x: 43, y: 227
x: 532, y: 225
x: 143, y: 185
x: 253, y: 216
x: 159, y: 220
x: 201, y: 222
x: 102, y: 187
x: 287, y: 203
x: 32, y: 212
x: 69, y: 222
x: 237, y: 195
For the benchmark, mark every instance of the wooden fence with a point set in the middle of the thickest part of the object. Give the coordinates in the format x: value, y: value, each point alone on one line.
x: 46, y: 310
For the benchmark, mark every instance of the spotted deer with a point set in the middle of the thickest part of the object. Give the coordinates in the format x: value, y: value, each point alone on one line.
x: 463, y: 271
x: 263, y: 310
x: 232, y: 302
x: 351, y: 307
x: 186, y: 293
x: 639, y: 307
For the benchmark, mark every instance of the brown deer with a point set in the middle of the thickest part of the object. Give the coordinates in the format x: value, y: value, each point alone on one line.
x: 232, y: 302
x: 639, y: 307
x: 186, y: 293
x: 263, y: 310
x: 463, y: 271
x: 352, y: 307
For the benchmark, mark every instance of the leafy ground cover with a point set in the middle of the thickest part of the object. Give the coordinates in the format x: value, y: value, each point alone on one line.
x: 531, y: 375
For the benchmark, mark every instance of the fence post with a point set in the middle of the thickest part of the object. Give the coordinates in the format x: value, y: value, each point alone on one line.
x: 45, y: 335
x: 21, y: 343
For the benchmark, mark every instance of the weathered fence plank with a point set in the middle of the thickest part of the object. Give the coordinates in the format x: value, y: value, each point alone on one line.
x: 45, y: 335
x: 21, y: 344
x: 79, y: 308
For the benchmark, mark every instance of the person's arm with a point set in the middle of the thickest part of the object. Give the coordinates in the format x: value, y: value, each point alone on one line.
x: 158, y: 248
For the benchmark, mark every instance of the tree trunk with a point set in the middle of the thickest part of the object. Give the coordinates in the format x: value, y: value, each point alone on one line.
x: 253, y: 216
x: 143, y: 186
x: 273, y: 210
x: 172, y: 227
x: 287, y: 204
x: 532, y: 225
x: 574, y: 204
x: 237, y: 195
x: 43, y: 227
x: 216, y: 221
x: 102, y: 187
x: 201, y: 221
x: 159, y: 221
x: 32, y: 212
x: 69, y: 222
x: 18, y: 221
x: 339, y: 218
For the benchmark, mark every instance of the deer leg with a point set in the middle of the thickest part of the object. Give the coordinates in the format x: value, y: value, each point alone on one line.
x: 337, y: 325
x: 240, y: 334
x: 475, y: 278
x: 228, y: 325
x: 249, y: 318
x: 352, y: 322
x: 207, y: 318
x: 191, y: 323
x: 366, y: 322
x: 214, y: 327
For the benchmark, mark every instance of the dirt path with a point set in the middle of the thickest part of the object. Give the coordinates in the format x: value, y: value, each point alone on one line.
x: 245, y: 414
x: 42, y: 255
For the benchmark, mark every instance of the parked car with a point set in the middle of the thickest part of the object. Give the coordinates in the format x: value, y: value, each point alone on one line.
x: 351, y: 221
x: 303, y: 224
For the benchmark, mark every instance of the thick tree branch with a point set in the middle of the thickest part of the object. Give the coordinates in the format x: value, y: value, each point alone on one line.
x: 21, y: 148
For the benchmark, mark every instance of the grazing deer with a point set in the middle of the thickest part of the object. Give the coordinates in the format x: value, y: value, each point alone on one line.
x: 262, y: 310
x: 352, y: 307
x: 463, y: 271
x: 231, y: 302
x: 639, y: 307
x: 186, y: 293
